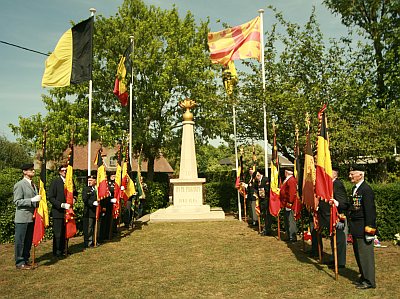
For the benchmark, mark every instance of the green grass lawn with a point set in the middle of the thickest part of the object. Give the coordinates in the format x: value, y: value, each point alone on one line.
x: 224, y: 259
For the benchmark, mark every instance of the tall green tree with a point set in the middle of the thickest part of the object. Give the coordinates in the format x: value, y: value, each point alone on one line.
x: 12, y: 154
x: 170, y: 62
x: 379, y: 21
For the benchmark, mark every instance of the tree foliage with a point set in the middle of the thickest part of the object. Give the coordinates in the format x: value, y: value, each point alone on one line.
x: 12, y: 154
x: 170, y: 62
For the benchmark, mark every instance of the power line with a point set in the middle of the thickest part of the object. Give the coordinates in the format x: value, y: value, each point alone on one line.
x: 10, y: 44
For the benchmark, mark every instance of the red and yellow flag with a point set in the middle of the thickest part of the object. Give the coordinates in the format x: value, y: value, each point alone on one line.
x: 323, y: 182
x: 70, y: 225
x: 239, y: 42
x: 41, y: 213
x: 274, y: 201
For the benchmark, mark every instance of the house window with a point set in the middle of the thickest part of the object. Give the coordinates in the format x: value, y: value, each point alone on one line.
x: 113, y: 162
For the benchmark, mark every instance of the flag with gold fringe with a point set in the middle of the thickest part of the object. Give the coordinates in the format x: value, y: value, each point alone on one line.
x: 102, y: 185
x: 117, y: 185
x: 70, y: 224
x: 274, y: 199
x: 323, y: 180
x: 41, y: 216
x: 239, y: 42
x: 127, y: 183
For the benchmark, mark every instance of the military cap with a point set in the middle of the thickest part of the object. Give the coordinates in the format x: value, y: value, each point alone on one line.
x: 357, y: 167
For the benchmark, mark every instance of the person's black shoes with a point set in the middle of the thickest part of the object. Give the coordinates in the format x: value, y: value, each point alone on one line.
x: 364, y: 285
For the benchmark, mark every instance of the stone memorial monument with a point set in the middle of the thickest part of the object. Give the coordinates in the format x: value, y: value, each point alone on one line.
x: 188, y: 188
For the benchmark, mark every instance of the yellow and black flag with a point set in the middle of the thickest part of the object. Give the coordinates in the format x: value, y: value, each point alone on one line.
x: 71, y: 60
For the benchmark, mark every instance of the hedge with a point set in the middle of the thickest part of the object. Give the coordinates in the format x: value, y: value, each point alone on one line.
x: 219, y: 191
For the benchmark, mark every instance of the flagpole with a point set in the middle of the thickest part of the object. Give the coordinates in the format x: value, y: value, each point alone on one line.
x: 92, y: 12
x: 261, y: 12
x: 236, y: 159
x: 130, y: 104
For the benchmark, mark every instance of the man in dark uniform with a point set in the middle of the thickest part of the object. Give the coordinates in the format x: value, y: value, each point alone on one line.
x: 25, y: 199
x: 263, y: 194
x: 251, y: 190
x: 363, y: 227
x: 90, y: 203
x: 56, y: 196
x: 106, y: 216
x: 288, y: 196
x: 341, y: 201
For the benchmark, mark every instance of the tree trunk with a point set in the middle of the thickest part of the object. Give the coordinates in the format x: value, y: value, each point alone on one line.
x: 150, y: 169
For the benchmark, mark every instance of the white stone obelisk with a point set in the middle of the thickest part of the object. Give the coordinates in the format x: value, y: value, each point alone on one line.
x: 188, y: 188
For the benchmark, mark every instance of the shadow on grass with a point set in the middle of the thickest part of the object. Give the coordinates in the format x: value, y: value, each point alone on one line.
x: 302, y: 253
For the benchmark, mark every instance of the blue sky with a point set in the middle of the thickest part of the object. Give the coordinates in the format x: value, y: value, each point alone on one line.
x: 39, y: 24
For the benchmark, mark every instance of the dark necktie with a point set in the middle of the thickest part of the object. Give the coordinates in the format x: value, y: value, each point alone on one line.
x: 33, y: 186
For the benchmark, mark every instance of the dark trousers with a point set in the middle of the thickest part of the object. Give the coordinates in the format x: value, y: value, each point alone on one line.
x: 341, y: 246
x: 88, y: 231
x: 290, y: 226
x: 23, y: 242
x: 268, y: 217
x: 58, y: 236
x: 364, y: 253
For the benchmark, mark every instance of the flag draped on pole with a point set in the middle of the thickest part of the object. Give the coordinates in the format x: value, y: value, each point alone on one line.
x: 41, y: 213
x: 72, y: 59
x: 139, y: 186
x: 124, y: 67
x: 239, y: 42
x: 102, y: 185
x: 308, y: 195
x: 274, y: 201
x: 297, y: 204
x: 117, y: 185
x: 127, y: 183
x: 70, y: 225
x: 323, y: 181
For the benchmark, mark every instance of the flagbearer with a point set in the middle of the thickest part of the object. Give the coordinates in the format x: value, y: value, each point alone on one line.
x: 288, y: 196
x: 56, y: 196
x: 89, y: 197
x: 25, y: 199
x: 363, y: 227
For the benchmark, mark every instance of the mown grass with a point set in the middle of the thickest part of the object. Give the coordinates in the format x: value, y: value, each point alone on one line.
x: 225, y: 259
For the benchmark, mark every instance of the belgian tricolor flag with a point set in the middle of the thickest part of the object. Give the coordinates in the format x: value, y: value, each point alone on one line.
x: 124, y: 68
x: 70, y: 224
x: 41, y: 213
x: 71, y: 60
x: 323, y: 182
x: 274, y: 191
x: 309, y: 177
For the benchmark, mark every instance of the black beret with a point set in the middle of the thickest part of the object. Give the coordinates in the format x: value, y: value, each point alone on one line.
x: 92, y: 176
x: 27, y: 166
x: 357, y: 167
x: 289, y: 168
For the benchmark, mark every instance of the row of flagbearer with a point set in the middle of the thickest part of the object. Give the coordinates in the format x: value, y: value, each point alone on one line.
x: 325, y: 198
x: 103, y: 199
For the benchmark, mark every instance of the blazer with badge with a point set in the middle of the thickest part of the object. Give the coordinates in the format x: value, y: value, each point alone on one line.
x: 363, y: 212
x: 56, y: 196
x: 89, y: 196
x: 23, y: 192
